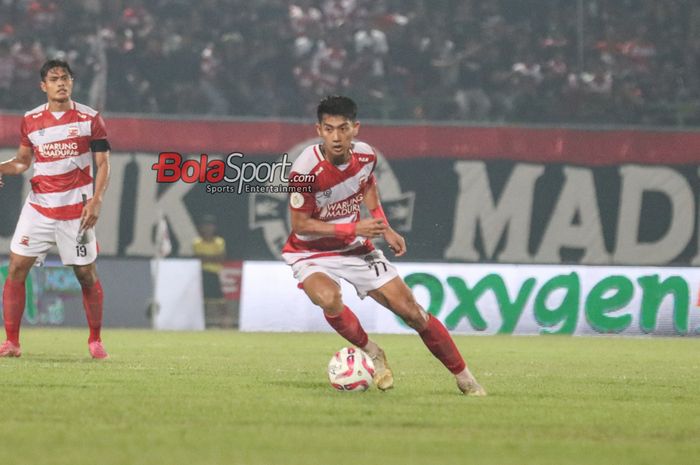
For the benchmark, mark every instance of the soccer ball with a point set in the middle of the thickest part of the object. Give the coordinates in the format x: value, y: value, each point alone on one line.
x: 350, y: 369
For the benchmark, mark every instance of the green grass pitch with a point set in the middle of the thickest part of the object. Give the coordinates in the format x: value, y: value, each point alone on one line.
x: 221, y: 397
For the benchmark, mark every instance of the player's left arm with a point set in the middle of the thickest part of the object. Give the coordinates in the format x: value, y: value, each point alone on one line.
x: 91, y: 211
x: 371, y: 200
x: 99, y: 145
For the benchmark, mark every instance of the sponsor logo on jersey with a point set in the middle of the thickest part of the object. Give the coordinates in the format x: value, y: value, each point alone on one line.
x: 58, y: 150
x: 341, y: 209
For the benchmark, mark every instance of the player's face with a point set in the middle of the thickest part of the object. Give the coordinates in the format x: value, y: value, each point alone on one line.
x: 58, y: 85
x: 337, y: 133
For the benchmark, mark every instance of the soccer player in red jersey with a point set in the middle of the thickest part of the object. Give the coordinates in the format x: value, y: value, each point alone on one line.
x: 62, y: 208
x: 330, y: 242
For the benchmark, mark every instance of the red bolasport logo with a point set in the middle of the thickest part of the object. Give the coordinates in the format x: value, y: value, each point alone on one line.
x: 234, y: 175
x: 171, y: 168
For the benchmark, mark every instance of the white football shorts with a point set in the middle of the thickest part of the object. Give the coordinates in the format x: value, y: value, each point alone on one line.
x: 35, y: 234
x: 365, y: 272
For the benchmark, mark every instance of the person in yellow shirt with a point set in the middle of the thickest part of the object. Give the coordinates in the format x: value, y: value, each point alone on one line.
x: 210, y: 248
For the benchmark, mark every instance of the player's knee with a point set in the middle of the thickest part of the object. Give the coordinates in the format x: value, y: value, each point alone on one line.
x: 330, y: 300
x: 18, y: 271
x: 86, y: 276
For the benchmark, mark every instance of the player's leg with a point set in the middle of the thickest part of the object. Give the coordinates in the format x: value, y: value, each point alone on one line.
x: 80, y: 252
x: 13, y: 300
x: 33, y: 237
x: 93, y: 300
x: 398, y: 298
x: 325, y: 292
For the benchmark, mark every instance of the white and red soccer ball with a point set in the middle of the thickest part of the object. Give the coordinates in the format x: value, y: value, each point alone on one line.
x: 351, y: 369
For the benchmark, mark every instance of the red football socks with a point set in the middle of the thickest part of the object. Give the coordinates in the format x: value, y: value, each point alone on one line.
x: 92, y: 301
x: 13, y: 297
x: 348, y: 326
x: 438, y: 340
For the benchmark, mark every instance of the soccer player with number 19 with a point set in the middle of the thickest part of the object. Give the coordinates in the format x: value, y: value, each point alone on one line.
x: 63, y: 206
x: 330, y: 242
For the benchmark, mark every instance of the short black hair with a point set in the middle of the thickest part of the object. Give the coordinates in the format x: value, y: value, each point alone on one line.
x: 337, y: 105
x: 51, y: 64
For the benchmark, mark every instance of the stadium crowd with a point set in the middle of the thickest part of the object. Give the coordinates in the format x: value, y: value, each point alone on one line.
x: 537, y: 61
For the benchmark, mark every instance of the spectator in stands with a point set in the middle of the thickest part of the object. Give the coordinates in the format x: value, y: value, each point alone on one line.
x: 466, y: 60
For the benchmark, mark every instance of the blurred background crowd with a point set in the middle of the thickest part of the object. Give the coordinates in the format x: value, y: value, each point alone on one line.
x: 535, y: 61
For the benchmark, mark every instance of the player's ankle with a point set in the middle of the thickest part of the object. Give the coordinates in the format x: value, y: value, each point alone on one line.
x: 465, y: 376
x: 371, y: 348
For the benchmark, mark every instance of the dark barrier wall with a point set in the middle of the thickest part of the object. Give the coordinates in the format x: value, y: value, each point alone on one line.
x: 467, y: 194
x: 54, y: 297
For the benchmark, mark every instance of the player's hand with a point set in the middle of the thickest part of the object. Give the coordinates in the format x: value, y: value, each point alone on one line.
x: 396, y: 242
x: 370, y: 227
x: 91, y: 212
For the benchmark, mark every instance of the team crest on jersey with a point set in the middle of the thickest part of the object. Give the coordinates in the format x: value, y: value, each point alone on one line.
x: 24, y: 240
x: 73, y: 131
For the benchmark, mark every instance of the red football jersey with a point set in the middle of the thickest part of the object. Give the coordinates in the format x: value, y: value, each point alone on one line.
x: 62, y: 158
x: 336, y: 197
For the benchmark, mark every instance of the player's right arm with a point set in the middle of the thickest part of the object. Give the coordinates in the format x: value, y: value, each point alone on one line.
x: 17, y: 165
x: 304, y: 224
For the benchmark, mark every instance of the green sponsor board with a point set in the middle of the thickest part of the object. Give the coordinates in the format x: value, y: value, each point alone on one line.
x: 555, y: 303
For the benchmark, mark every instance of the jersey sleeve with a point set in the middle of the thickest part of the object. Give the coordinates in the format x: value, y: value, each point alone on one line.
x: 99, y: 130
x: 98, y: 139
x: 372, y: 180
x: 366, y: 186
x: 24, y: 134
x: 301, y: 196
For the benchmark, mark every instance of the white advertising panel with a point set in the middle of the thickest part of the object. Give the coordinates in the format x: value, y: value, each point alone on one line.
x: 178, y: 294
x: 496, y: 299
